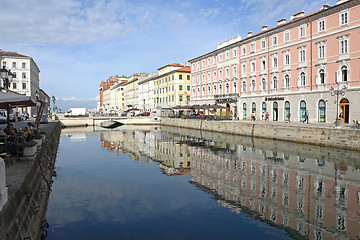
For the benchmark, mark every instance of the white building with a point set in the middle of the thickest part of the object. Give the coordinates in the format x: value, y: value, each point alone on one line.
x: 26, y: 76
x: 146, y: 92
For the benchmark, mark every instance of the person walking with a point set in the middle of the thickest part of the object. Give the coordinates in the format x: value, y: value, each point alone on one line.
x: 306, y: 119
x: 267, y: 116
x: 289, y: 115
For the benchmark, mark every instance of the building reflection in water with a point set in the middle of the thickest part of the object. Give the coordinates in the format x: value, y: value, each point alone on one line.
x: 312, y: 190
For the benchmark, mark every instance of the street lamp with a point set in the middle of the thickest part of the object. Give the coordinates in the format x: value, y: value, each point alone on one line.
x: 7, y: 77
x: 37, y: 101
x: 337, y: 92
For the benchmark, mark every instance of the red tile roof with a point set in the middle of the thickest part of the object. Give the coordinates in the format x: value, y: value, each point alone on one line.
x: 184, y: 69
x: 11, y: 54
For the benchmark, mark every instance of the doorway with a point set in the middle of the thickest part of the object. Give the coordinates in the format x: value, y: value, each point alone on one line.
x: 275, y: 111
x: 344, y: 110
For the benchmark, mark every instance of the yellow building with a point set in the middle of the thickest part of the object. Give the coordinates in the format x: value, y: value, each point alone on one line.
x: 172, y: 85
x: 131, y: 90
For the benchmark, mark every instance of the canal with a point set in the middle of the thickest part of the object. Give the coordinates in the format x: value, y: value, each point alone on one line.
x: 169, y: 183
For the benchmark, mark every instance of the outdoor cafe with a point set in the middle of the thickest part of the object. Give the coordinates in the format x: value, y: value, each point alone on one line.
x: 203, y: 112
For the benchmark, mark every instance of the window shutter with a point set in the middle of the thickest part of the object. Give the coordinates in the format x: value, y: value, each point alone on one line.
x: 299, y: 83
x: 289, y: 81
x: 338, y: 76
x: 283, y: 83
x: 325, y: 78
x: 348, y: 75
x: 317, y: 79
x: 272, y: 84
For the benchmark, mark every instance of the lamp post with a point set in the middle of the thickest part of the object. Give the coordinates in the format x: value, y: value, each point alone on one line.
x: 7, y: 77
x: 37, y: 101
x: 144, y: 104
x: 337, y: 92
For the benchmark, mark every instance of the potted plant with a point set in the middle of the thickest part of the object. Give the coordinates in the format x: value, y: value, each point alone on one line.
x: 30, y: 149
x: 38, y: 139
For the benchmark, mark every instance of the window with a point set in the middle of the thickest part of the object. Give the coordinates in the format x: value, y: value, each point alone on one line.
x: 188, y: 87
x: 275, y: 83
x: 286, y: 36
x: 322, y: 110
x: 263, y: 83
x: 23, y: 85
x: 14, y: 74
x: 235, y: 87
x: 4, y: 64
x: 227, y: 88
x: 214, y: 59
x: 180, y: 87
x: 227, y: 55
x: 287, y: 81
x: 208, y: 61
x: 214, y: 76
x: 253, y: 85
x: 263, y: 43
x: 263, y: 65
x: 180, y: 97
x: 244, y: 68
x: 173, y: 88
x: 321, y: 25
x: 234, y: 53
x: 23, y: 75
x: 274, y: 40
x: 243, y: 50
x: 220, y: 58
x: 180, y: 76
x: 244, y: 86
x: 275, y: 62
x: 253, y: 66
x: 344, y: 18
x: 302, y: 55
x: 302, y: 79
x: 203, y: 63
x: 14, y: 65
x: 235, y: 71
x: 198, y: 65
x: 344, y: 73
x: 14, y: 85
x: 321, y: 51
x: 343, y: 45
x: 23, y: 65
x: 321, y: 77
x: 187, y: 77
x: 302, y: 32
x: 252, y: 47
x: 287, y: 59
x: 227, y: 72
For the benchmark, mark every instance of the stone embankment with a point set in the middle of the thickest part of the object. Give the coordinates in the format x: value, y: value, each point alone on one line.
x: 321, y: 135
x: 29, y: 185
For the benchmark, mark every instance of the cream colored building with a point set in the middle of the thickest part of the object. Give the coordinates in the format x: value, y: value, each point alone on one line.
x: 131, y: 90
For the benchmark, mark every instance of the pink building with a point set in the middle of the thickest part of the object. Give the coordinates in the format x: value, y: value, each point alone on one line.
x: 288, y: 69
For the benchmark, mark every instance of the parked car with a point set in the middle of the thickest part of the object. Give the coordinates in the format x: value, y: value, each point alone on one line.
x: 44, y: 119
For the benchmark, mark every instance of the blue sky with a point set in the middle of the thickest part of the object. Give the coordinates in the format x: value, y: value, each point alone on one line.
x: 78, y: 43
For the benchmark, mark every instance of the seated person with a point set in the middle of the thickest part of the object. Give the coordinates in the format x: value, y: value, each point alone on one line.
x: 31, y: 126
x: 10, y: 130
x: 28, y: 134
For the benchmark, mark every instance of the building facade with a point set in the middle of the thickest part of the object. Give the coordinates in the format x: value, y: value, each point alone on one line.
x: 172, y: 86
x: 25, y: 76
x: 288, y: 70
x: 146, y: 93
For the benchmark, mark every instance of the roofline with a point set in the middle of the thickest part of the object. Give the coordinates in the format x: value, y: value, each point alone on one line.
x: 273, y: 28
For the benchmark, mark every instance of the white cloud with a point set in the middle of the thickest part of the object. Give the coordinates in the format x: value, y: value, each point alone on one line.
x: 69, y: 21
x: 97, y: 98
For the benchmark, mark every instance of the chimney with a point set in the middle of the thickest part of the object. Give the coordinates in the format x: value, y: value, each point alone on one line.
x: 264, y: 28
x: 249, y: 34
x: 281, y: 21
x: 298, y: 15
x: 325, y: 6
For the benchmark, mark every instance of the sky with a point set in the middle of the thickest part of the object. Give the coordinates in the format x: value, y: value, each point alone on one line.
x: 78, y: 43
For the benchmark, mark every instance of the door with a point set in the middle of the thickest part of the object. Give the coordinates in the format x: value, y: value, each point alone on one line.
x: 302, y: 110
x: 275, y: 111
x: 344, y: 111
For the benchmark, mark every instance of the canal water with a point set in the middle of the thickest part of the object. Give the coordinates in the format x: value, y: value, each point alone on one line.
x: 172, y: 183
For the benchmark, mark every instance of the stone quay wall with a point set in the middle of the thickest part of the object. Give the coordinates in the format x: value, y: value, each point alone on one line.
x: 321, y: 136
x: 23, y: 215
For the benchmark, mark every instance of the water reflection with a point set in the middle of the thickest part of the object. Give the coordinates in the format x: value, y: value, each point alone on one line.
x: 312, y: 190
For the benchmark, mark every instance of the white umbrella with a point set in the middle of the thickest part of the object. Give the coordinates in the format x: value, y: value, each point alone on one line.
x: 9, y: 99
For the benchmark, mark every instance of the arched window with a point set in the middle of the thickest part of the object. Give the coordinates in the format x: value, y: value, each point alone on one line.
x: 302, y: 110
x: 253, y: 86
x: 287, y: 81
x: 235, y: 87
x: 244, y: 86
x: 322, y: 111
x: 275, y: 83
x: 203, y: 91
x: 322, y: 76
x: 275, y: 111
x: 287, y: 111
x: 263, y: 81
x: 244, y: 110
x: 253, y: 107
x: 227, y: 88
x: 344, y: 73
x: 215, y: 90
x: 220, y: 86
x: 302, y: 79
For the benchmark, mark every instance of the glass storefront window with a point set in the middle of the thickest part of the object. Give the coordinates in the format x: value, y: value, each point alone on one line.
x: 322, y: 111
